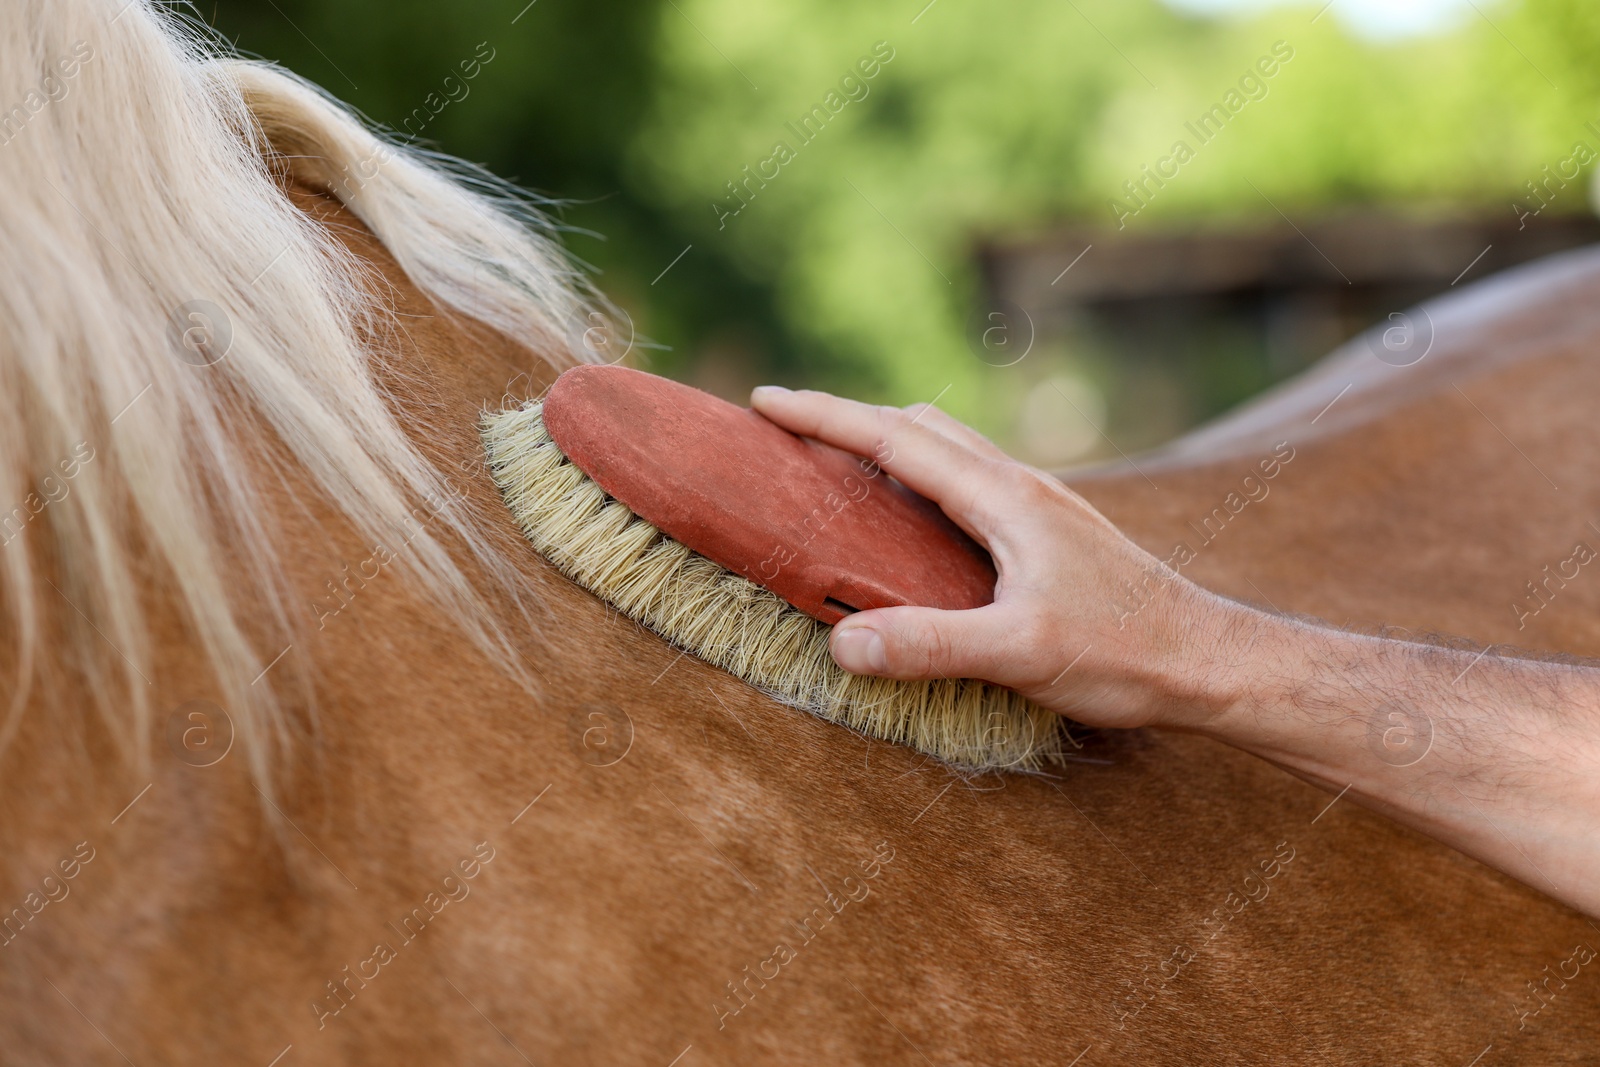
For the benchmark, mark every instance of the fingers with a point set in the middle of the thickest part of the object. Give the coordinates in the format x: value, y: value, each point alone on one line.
x: 958, y: 431
x: 920, y: 643
x: 948, y: 471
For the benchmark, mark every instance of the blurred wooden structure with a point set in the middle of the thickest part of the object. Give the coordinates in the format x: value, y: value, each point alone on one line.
x: 1215, y: 313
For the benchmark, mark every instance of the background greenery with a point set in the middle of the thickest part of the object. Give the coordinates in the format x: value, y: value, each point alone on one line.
x: 854, y: 268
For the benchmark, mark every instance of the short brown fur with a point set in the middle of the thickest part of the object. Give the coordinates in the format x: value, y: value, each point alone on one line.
x: 1016, y: 912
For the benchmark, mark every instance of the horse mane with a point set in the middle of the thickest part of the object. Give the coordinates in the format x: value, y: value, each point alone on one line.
x: 169, y: 319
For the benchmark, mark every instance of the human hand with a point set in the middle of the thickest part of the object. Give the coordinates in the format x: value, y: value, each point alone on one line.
x: 1060, y: 630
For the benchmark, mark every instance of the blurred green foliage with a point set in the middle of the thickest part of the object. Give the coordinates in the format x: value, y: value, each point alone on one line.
x: 852, y: 266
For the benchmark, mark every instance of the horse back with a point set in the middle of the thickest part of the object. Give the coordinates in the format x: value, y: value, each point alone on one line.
x: 638, y: 857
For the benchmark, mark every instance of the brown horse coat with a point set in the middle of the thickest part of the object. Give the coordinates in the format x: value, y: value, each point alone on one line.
x: 648, y: 862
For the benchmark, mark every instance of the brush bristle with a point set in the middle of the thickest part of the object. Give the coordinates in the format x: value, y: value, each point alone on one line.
x: 737, y: 625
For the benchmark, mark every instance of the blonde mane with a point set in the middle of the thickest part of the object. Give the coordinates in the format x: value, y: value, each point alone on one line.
x: 158, y: 294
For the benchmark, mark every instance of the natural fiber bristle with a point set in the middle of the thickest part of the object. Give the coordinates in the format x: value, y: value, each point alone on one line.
x: 739, y: 626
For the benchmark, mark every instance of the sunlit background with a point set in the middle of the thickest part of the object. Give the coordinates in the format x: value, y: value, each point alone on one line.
x: 992, y: 206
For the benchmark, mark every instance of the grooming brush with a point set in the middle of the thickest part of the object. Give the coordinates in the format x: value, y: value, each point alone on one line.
x: 742, y: 543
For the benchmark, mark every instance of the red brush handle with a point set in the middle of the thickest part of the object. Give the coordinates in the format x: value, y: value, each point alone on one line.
x: 826, y: 531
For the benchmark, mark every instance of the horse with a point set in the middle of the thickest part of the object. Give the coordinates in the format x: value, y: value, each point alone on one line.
x: 310, y: 759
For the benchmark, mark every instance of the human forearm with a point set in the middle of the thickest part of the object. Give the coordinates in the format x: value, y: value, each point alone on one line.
x: 1497, y: 757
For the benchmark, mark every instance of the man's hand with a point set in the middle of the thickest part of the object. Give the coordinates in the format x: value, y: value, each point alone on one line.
x: 1501, y: 756
x: 1084, y: 621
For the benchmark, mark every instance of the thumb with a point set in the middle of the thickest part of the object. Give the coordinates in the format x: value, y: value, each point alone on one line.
x: 912, y: 644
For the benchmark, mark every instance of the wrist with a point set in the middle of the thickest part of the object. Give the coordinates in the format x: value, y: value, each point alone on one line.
x: 1224, y: 654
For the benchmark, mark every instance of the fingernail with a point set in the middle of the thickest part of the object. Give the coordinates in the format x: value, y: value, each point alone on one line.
x: 859, y: 650
x: 769, y: 390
